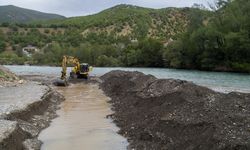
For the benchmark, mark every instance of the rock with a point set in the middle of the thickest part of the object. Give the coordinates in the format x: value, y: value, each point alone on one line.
x: 29, y: 128
x: 6, y: 129
x: 32, y: 144
x: 21, y: 81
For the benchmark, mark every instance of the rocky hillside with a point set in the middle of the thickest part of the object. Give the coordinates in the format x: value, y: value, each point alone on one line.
x: 12, y: 13
x: 134, y: 21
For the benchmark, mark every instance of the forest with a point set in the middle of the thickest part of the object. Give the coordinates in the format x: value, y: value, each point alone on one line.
x: 222, y: 44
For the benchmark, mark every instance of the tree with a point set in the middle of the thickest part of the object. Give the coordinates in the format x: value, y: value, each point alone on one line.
x: 150, y: 53
x: 2, y: 41
x: 104, y: 61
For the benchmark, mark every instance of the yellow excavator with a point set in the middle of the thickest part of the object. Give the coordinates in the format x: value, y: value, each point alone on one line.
x: 78, y: 71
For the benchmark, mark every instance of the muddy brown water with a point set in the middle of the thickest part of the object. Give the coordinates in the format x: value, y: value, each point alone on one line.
x: 82, y: 122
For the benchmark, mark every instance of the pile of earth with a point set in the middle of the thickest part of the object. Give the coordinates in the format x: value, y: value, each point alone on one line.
x: 176, y: 115
x: 7, y: 78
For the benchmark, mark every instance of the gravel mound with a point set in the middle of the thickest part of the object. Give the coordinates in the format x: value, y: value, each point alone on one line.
x: 176, y: 115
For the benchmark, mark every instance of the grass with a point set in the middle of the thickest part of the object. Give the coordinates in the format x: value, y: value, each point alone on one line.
x: 2, y: 74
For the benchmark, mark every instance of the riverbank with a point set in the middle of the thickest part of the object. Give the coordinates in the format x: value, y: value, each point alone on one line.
x: 25, y: 113
x: 174, y: 114
x: 7, y: 78
x: 156, y: 113
x: 26, y: 108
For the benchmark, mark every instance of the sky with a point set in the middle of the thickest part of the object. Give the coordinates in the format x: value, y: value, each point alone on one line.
x: 71, y: 8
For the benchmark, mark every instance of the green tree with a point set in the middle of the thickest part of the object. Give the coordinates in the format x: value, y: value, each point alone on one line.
x: 150, y: 53
x: 2, y: 41
x: 104, y: 61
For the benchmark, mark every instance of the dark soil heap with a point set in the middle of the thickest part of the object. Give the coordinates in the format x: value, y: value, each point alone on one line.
x: 176, y: 115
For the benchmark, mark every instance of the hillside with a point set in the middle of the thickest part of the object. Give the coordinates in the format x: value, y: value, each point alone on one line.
x: 123, y: 35
x: 126, y: 35
x: 12, y: 14
x: 134, y: 21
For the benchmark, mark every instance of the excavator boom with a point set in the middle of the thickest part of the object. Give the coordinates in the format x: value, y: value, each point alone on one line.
x: 69, y: 60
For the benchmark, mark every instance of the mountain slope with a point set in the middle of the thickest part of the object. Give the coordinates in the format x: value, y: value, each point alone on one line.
x: 12, y: 13
x: 134, y: 21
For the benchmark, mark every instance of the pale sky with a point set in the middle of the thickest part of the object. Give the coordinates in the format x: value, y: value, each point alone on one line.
x: 85, y: 7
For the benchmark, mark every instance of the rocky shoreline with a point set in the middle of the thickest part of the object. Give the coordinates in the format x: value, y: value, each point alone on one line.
x: 168, y: 114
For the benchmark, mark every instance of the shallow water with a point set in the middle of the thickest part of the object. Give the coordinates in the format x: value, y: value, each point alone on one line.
x: 82, y: 122
x: 219, y: 81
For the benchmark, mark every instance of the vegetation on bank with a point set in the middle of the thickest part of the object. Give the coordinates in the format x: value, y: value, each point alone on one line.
x: 6, y: 75
x: 115, y: 37
x: 2, y: 74
x: 125, y: 35
x: 222, y: 44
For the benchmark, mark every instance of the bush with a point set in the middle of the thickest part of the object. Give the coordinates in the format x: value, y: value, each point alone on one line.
x: 104, y: 61
x: 241, y: 67
x: 46, y: 31
x: 10, y: 58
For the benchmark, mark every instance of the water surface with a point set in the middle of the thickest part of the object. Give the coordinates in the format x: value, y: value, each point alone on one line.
x: 82, y: 122
x: 219, y: 81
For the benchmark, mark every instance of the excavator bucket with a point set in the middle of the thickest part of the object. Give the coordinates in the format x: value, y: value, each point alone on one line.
x: 60, y: 82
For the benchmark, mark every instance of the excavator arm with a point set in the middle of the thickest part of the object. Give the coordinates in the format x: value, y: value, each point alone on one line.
x: 69, y: 60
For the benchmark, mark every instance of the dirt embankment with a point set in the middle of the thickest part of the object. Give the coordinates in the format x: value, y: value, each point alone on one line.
x: 24, y: 125
x: 172, y: 114
x: 24, y: 114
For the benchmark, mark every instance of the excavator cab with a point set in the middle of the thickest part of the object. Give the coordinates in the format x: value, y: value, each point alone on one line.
x: 84, y: 67
x: 81, y: 72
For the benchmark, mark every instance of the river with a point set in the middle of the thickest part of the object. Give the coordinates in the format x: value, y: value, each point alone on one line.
x: 218, y: 81
x: 82, y: 123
